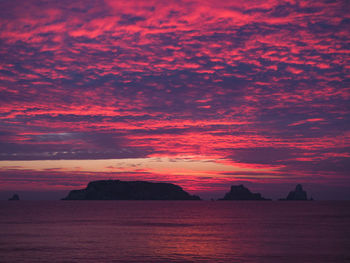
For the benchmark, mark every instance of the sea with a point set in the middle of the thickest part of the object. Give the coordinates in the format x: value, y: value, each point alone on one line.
x: 174, y: 231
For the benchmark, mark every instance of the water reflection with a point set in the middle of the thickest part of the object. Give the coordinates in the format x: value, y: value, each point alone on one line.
x: 175, y: 231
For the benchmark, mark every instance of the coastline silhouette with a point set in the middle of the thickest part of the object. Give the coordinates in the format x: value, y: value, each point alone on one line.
x: 144, y: 190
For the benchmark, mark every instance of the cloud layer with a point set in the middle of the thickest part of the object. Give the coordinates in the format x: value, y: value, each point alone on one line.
x: 258, y: 85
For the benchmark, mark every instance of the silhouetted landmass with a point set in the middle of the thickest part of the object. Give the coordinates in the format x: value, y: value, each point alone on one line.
x: 15, y: 197
x: 133, y: 190
x: 297, y: 195
x: 239, y: 192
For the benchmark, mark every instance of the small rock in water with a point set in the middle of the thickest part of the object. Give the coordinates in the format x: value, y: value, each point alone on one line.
x: 297, y: 195
x: 239, y: 192
x: 15, y: 197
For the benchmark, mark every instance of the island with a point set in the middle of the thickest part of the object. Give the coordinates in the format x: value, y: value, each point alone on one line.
x: 239, y: 192
x: 15, y: 197
x: 297, y: 195
x: 130, y: 190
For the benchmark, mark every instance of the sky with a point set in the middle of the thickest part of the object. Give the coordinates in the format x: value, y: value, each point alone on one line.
x: 204, y: 94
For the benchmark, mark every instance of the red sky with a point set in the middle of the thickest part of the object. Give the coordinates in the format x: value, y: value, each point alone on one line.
x: 203, y: 94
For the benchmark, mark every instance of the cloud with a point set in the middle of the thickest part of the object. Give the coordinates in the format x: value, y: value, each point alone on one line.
x: 258, y: 83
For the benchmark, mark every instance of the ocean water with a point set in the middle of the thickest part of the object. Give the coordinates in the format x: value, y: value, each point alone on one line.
x: 174, y: 231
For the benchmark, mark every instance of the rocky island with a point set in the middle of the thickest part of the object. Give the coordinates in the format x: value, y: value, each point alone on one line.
x: 297, y: 195
x: 130, y: 190
x: 239, y: 192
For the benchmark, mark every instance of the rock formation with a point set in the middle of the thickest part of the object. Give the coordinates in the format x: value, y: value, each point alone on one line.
x: 239, y: 192
x: 133, y: 190
x: 15, y: 197
x: 297, y: 195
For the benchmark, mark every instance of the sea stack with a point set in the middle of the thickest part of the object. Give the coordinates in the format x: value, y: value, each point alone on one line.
x: 132, y: 190
x: 15, y: 197
x: 297, y: 195
x: 239, y: 192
